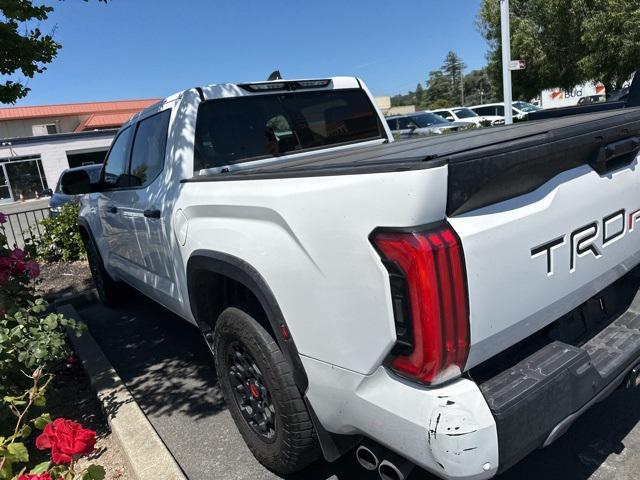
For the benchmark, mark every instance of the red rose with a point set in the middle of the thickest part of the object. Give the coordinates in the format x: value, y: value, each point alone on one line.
x: 17, y: 255
x: 19, y: 267
x: 33, y: 476
x: 33, y: 269
x: 5, y: 263
x: 66, y: 439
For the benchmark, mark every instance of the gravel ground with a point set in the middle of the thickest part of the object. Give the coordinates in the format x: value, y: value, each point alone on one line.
x: 64, y: 279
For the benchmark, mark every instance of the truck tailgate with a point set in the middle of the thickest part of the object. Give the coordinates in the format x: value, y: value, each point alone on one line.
x: 535, y: 257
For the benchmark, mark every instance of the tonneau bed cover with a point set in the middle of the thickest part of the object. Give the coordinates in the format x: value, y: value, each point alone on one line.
x: 485, y: 166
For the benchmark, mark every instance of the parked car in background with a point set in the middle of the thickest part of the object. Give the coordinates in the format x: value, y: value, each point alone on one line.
x: 59, y: 198
x: 494, y: 112
x: 461, y: 114
x: 592, y: 99
x: 422, y: 124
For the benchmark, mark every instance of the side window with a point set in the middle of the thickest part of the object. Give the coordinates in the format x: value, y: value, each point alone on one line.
x: 500, y: 111
x: 393, y: 124
x: 147, y: 153
x: 403, y: 123
x: 116, y: 163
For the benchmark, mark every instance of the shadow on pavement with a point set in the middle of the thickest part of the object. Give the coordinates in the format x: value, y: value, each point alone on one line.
x: 168, y: 368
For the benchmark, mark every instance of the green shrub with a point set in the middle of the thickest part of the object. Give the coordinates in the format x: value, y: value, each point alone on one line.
x: 60, y: 239
x: 31, y: 339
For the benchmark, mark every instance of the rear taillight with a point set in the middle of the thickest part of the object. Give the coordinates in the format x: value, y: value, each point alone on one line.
x: 429, y: 302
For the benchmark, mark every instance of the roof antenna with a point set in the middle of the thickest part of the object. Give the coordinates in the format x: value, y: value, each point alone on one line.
x: 275, y: 75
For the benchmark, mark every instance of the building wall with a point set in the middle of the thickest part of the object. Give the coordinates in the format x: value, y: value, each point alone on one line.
x: 54, y: 153
x: 23, y: 128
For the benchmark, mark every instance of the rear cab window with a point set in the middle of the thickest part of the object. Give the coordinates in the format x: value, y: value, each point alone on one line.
x: 241, y: 129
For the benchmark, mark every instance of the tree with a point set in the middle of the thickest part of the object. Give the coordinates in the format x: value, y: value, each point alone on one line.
x: 479, y: 88
x: 24, y: 50
x: 420, y: 95
x: 453, y: 69
x: 612, y: 43
x: 565, y: 42
x: 438, y: 89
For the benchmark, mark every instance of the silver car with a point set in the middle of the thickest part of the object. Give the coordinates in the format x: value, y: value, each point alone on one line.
x: 59, y: 199
x: 422, y: 124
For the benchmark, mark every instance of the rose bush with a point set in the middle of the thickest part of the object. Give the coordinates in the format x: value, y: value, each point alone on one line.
x: 32, y: 340
x: 35, y: 476
x: 17, y: 274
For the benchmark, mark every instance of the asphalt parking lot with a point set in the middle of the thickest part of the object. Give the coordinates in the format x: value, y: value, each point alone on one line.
x: 168, y: 369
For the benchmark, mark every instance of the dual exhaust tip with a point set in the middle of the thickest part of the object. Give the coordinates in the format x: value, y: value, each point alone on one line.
x: 390, y: 466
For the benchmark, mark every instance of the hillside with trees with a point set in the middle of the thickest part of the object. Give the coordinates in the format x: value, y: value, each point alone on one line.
x: 449, y: 86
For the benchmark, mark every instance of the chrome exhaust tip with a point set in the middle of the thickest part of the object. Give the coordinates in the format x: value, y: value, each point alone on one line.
x: 396, y: 469
x: 368, y: 456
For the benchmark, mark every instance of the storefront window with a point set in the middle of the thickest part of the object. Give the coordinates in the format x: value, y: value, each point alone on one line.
x: 22, y: 179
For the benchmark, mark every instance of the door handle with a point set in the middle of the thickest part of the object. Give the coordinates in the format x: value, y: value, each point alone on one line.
x: 151, y: 213
x: 112, y: 209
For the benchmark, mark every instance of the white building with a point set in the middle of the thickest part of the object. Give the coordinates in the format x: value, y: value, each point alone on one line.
x: 38, y: 143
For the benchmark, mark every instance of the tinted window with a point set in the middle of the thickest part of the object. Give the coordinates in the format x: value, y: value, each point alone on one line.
x: 499, y: 111
x: 393, y: 124
x: 483, y: 111
x: 234, y: 130
x: 116, y: 162
x: 465, y: 113
x: 425, y: 120
x: 147, y: 153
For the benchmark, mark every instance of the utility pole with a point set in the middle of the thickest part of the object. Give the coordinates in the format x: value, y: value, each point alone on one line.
x: 506, y: 61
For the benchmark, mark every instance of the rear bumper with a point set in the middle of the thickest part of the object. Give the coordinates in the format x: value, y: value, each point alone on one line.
x: 448, y: 431
x: 464, y: 430
x: 536, y: 401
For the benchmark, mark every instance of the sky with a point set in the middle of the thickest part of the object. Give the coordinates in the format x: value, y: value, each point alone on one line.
x: 129, y: 49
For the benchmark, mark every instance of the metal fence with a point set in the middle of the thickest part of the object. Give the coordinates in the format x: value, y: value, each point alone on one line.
x: 21, y: 226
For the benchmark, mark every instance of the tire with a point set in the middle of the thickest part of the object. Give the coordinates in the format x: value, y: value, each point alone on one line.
x: 245, y: 354
x: 109, y: 291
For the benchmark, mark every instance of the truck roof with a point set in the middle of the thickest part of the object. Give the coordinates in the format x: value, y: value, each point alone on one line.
x: 226, y: 90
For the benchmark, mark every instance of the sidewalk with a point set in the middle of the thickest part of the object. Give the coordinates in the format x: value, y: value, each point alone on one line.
x: 169, y: 370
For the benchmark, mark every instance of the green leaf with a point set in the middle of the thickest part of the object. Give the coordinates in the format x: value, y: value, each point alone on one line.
x: 6, y: 472
x: 40, y: 401
x: 26, y: 431
x: 40, y: 468
x: 94, y: 472
x: 42, y: 421
x: 18, y: 452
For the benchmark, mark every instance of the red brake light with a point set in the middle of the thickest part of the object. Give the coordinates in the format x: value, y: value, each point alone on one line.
x: 432, y: 263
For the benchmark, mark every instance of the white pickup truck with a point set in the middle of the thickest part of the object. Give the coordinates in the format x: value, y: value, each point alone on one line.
x: 451, y: 302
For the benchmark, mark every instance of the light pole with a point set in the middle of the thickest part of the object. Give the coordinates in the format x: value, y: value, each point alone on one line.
x: 506, y: 61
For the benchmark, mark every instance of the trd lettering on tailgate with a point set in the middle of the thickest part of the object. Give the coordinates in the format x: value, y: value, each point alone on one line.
x: 590, y: 240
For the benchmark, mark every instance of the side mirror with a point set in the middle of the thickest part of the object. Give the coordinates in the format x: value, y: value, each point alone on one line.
x: 47, y: 192
x: 451, y: 119
x: 75, y: 182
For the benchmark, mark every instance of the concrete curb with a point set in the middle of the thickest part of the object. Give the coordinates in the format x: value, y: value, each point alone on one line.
x: 146, y: 454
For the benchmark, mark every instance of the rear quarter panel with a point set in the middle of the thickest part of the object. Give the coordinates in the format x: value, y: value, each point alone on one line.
x: 308, y: 238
